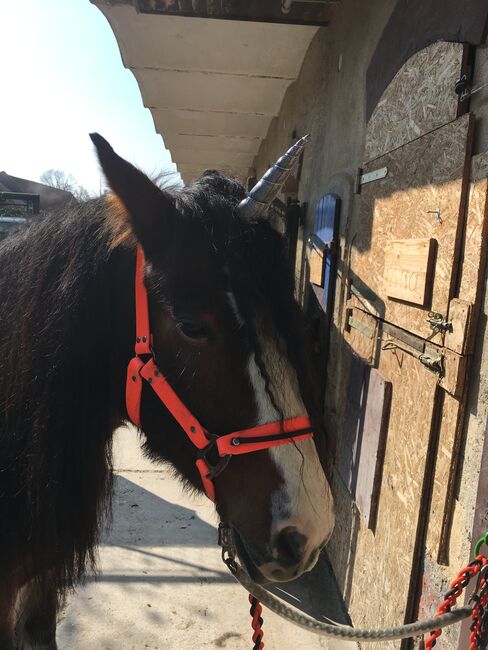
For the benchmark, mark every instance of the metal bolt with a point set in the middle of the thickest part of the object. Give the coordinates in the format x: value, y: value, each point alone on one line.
x: 156, y: 373
x: 144, y: 339
x: 150, y: 380
x: 134, y: 378
x: 192, y: 429
x: 138, y: 339
x: 236, y: 442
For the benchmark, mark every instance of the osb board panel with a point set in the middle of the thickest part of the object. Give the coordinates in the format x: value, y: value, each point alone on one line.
x: 408, y: 269
x: 476, y: 233
x: 316, y: 262
x: 383, y: 561
x: 454, y: 378
x: 419, y: 99
x: 450, y: 422
x: 424, y: 176
x: 360, y: 332
x: 458, y: 337
x: 412, y: 26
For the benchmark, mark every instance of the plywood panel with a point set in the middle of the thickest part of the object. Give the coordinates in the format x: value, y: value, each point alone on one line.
x: 383, y: 560
x: 426, y: 179
x: 408, y: 269
x: 463, y: 313
x: 316, y: 262
x: 420, y: 98
x: 413, y: 25
x: 458, y: 336
x: 452, y: 413
x: 476, y: 233
x: 360, y: 332
x: 454, y: 376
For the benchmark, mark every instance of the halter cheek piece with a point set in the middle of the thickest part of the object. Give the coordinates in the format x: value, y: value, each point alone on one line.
x: 213, y: 452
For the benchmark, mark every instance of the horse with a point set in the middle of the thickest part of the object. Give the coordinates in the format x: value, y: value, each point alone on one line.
x: 228, y: 336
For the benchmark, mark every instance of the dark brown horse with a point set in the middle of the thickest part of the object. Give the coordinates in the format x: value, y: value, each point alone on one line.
x: 227, y: 335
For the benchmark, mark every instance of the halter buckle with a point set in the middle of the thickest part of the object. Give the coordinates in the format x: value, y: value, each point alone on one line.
x: 214, y: 461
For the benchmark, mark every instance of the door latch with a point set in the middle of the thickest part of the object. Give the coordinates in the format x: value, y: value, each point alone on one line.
x: 438, y: 323
x: 433, y: 361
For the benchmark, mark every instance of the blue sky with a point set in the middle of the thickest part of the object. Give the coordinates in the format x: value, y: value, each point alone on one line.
x: 62, y: 77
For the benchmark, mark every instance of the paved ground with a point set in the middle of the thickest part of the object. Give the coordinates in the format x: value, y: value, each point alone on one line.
x: 162, y: 584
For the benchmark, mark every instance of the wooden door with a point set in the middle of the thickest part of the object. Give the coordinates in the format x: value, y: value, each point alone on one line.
x: 405, y: 256
x: 408, y: 313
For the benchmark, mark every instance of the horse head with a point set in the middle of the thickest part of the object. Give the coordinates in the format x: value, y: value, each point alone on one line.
x: 227, y: 334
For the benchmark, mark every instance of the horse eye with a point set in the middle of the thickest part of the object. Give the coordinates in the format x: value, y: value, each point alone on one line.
x: 192, y: 329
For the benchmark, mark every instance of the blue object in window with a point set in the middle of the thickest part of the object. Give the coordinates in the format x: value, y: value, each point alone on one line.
x: 326, y: 230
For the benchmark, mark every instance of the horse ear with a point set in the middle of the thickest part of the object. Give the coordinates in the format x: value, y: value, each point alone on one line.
x: 151, y: 212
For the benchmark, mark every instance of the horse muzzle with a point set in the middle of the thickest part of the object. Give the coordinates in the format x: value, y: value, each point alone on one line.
x: 284, y: 559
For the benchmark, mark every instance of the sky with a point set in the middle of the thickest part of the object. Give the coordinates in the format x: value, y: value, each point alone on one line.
x: 62, y: 78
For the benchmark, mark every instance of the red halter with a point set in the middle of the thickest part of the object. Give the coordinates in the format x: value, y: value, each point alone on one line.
x: 214, y: 452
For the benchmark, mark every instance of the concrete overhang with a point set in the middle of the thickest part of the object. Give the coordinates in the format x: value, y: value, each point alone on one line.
x: 212, y: 85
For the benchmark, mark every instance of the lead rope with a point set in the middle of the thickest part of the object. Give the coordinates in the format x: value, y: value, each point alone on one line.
x: 256, y: 623
x: 478, y: 638
x: 448, y: 616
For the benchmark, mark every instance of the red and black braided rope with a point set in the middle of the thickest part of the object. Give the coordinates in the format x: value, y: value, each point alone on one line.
x: 479, y: 627
x: 256, y: 623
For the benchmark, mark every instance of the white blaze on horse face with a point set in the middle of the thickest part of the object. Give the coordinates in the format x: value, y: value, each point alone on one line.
x: 304, y: 500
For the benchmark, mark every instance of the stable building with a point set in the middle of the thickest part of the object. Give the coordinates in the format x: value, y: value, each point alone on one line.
x: 387, y: 219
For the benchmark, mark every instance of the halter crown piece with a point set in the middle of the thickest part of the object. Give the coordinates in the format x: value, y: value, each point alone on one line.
x: 213, y: 453
x: 264, y: 192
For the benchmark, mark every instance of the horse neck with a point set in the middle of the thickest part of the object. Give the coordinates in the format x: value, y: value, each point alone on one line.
x: 66, y: 335
x: 116, y: 294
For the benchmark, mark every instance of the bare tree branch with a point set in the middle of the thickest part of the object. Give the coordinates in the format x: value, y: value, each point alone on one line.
x: 63, y: 181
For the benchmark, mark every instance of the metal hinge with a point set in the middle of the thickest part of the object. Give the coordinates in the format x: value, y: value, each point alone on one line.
x: 462, y: 87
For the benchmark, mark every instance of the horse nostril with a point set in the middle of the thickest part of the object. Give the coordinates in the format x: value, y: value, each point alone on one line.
x: 290, y: 545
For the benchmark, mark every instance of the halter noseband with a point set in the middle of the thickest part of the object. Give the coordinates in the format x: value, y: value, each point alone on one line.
x: 213, y: 452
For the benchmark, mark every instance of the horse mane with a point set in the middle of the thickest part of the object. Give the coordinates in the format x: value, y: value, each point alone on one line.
x: 55, y: 417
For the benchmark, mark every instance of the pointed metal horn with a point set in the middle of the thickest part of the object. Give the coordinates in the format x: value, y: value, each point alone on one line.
x: 262, y: 194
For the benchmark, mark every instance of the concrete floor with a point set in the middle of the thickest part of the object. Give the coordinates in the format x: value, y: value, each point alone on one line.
x: 162, y: 584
